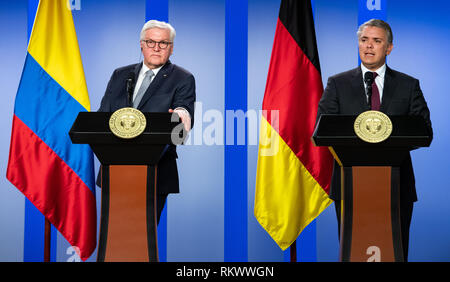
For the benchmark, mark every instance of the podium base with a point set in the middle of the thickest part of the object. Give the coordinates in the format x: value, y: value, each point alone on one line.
x: 370, y: 218
x: 128, y: 223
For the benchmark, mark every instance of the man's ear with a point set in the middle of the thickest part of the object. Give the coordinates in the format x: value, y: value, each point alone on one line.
x: 389, y: 49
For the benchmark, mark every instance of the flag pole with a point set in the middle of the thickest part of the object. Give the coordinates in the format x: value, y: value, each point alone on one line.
x: 47, y: 240
x: 293, y: 249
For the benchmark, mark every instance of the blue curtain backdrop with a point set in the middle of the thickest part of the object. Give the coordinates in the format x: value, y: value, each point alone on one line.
x: 227, y: 44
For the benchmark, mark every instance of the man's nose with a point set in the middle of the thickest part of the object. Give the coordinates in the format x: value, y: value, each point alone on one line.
x: 156, y: 48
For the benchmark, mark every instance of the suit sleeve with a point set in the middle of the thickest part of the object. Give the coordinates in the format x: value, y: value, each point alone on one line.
x: 105, y: 105
x: 185, y: 96
x: 328, y: 103
x: 418, y: 106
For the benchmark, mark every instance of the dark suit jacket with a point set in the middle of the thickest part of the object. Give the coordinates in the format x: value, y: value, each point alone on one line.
x: 172, y: 87
x: 345, y: 94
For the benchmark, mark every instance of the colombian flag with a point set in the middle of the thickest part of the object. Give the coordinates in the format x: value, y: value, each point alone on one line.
x: 293, y: 177
x: 54, y: 174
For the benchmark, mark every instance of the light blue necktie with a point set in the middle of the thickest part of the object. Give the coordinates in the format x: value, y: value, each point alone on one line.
x: 144, y: 86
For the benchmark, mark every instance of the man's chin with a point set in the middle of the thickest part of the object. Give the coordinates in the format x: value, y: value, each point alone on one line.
x: 154, y: 65
x: 371, y: 65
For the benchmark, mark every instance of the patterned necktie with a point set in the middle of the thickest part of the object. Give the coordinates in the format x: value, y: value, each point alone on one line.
x: 375, y: 94
x: 145, y: 83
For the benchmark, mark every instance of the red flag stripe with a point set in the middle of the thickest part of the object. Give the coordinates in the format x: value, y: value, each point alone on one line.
x: 64, y: 203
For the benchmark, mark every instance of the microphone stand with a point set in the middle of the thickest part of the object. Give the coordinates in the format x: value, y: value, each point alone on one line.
x: 368, y: 79
x: 130, y: 90
x: 369, y: 94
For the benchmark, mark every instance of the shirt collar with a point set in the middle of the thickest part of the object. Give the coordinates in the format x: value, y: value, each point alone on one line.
x: 144, y: 69
x: 380, y: 71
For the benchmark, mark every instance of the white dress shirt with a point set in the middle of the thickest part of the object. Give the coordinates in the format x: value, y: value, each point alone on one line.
x: 379, y: 80
x: 141, y: 76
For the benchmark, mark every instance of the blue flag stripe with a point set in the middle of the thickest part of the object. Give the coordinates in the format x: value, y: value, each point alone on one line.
x: 49, y: 111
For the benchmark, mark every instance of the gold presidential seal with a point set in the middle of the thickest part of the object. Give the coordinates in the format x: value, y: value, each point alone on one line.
x: 373, y: 126
x: 127, y: 123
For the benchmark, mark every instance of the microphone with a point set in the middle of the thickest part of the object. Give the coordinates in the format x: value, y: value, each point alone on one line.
x: 368, y: 79
x: 130, y: 87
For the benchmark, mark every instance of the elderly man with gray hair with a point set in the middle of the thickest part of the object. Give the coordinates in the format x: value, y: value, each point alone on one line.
x: 155, y: 85
x: 392, y: 92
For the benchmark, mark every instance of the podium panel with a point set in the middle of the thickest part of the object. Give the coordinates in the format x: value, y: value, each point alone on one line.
x: 128, y: 215
x: 127, y: 222
x: 370, y: 225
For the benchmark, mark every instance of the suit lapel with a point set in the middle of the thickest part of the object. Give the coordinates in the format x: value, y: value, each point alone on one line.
x: 358, y: 91
x: 388, y: 89
x: 156, y: 83
x: 137, y: 69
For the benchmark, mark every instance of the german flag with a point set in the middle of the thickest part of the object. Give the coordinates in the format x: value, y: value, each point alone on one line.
x: 293, y: 176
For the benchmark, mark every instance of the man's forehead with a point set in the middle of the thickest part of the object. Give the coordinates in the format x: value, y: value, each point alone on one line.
x: 158, y: 32
x: 373, y: 32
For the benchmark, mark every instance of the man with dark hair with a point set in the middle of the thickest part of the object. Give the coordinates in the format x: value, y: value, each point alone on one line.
x: 396, y: 94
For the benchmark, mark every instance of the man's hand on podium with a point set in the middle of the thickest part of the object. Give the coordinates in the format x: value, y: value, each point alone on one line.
x: 184, y: 116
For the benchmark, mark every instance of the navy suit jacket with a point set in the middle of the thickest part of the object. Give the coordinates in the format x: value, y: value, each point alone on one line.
x: 345, y: 94
x: 171, y: 88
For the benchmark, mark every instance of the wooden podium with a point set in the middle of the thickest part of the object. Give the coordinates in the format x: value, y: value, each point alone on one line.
x: 128, y: 223
x: 370, y: 179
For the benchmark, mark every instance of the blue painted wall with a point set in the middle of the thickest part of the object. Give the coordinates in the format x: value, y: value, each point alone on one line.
x: 108, y: 34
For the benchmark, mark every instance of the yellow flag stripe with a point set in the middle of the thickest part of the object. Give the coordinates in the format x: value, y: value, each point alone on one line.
x: 54, y: 45
x: 287, y: 197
